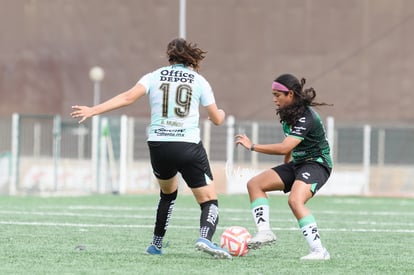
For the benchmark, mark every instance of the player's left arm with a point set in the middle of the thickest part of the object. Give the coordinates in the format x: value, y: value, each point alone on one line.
x: 215, y: 114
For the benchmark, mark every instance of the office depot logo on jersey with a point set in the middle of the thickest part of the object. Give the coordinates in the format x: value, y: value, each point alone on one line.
x: 176, y: 76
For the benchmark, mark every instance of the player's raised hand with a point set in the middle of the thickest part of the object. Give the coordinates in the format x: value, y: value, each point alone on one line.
x: 82, y: 112
x: 244, y: 140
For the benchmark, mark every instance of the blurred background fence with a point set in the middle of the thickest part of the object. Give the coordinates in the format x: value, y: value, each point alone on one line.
x: 45, y: 154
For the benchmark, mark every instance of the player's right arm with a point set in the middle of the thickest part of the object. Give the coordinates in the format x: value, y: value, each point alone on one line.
x: 118, y: 101
x: 216, y: 115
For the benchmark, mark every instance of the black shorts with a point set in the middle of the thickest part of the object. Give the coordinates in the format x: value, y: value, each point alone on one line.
x: 311, y: 172
x: 190, y: 159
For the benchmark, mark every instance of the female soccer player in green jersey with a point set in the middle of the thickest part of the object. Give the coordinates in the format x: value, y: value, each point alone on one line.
x: 175, y: 93
x: 306, y: 168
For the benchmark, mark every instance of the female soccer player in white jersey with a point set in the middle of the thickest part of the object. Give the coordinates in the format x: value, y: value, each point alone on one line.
x: 302, y: 176
x: 175, y: 93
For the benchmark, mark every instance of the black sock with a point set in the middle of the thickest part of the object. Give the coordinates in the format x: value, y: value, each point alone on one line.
x: 208, y: 219
x: 164, y: 211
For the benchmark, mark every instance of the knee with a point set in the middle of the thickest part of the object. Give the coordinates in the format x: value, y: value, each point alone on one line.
x: 251, y: 185
x: 169, y: 197
x: 205, y: 193
x: 295, y: 203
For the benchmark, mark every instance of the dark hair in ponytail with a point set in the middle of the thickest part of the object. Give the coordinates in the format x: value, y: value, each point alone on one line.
x: 302, y: 99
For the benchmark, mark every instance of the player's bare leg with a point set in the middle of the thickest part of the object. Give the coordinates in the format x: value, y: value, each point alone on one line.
x: 257, y: 187
x: 299, y: 195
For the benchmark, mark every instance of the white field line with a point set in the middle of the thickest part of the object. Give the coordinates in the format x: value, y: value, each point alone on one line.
x: 113, y: 212
x: 233, y: 210
x: 107, y: 209
x: 194, y: 217
x: 175, y: 217
x: 102, y: 225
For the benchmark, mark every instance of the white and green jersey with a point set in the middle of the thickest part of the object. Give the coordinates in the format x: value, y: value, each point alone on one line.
x: 175, y: 93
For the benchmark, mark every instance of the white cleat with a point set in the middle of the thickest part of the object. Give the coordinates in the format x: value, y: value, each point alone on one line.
x: 317, y: 255
x: 262, y: 238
